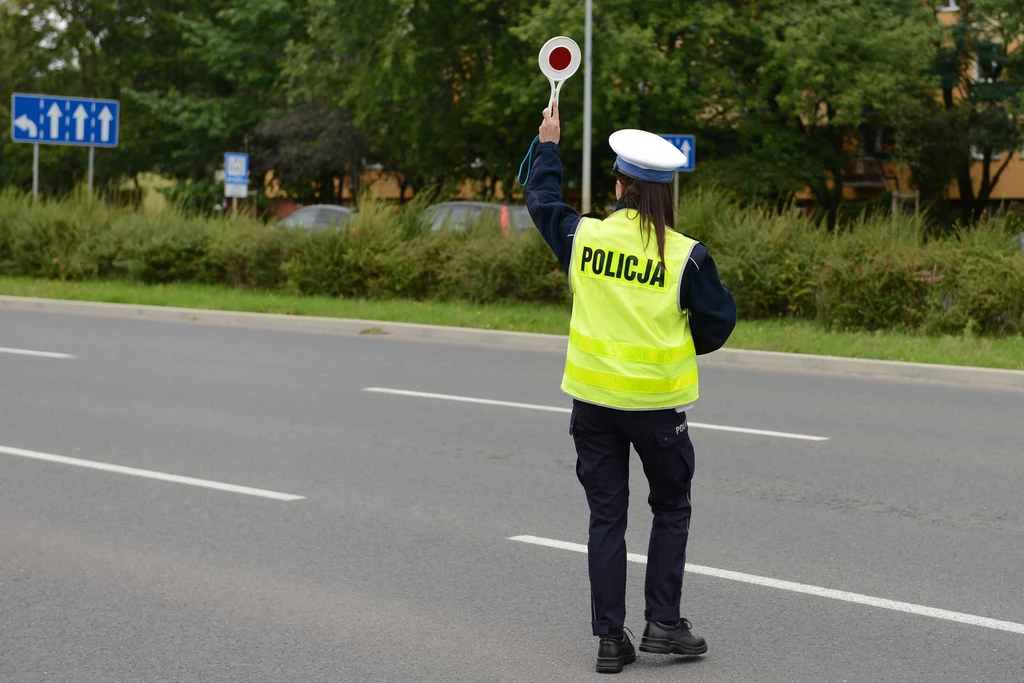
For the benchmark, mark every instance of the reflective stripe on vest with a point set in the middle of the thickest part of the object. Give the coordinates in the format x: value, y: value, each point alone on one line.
x: 633, y: 385
x: 629, y: 346
x: 643, y: 354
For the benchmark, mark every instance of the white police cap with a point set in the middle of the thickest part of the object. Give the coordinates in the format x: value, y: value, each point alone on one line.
x: 645, y: 156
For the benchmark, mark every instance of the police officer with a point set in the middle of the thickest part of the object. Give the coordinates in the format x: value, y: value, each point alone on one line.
x: 646, y: 302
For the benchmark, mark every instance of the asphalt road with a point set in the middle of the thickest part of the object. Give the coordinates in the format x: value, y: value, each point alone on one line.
x: 395, y: 565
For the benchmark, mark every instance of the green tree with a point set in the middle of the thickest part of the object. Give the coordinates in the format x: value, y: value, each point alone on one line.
x: 308, y: 147
x: 802, y: 78
x: 777, y: 90
x: 980, y: 68
x: 452, y: 91
x: 230, y: 59
x: 100, y: 48
x: 407, y: 71
x: 194, y: 78
x: 31, y: 60
x: 646, y: 75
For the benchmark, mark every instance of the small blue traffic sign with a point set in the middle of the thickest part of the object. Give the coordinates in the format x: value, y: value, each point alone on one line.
x: 54, y: 120
x: 236, y: 168
x: 686, y: 144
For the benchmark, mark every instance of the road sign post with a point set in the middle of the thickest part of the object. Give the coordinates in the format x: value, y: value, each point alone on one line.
x: 686, y: 144
x: 54, y: 120
x: 35, y: 171
x: 588, y: 101
x: 236, y: 178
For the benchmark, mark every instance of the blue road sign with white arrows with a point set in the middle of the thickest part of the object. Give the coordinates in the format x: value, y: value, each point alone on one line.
x: 686, y: 144
x: 52, y: 120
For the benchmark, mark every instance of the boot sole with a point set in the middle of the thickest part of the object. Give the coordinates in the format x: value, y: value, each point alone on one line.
x: 660, y: 646
x: 613, y: 665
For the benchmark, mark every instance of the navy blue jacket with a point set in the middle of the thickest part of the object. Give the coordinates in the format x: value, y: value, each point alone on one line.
x: 711, y: 306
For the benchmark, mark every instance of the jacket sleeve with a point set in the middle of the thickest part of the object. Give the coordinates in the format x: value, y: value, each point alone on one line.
x: 555, y: 219
x: 711, y: 306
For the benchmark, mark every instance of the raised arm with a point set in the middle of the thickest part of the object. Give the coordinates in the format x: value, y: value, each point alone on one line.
x: 555, y: 219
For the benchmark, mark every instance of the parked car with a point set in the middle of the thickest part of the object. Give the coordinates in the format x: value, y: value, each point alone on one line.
x: 459, y: 216
x: 319, y: 217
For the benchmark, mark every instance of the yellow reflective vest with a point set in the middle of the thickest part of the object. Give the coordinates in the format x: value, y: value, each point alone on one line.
x: 630, y: 345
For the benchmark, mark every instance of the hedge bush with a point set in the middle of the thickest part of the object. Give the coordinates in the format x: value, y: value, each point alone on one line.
x: 870, y: 274
x: 382, y: 253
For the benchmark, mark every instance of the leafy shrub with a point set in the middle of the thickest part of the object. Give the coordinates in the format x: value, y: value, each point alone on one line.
x: 768, y: 260
x: 980, y: 288
x: 875, y: 275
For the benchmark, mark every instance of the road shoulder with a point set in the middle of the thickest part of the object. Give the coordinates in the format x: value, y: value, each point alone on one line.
x: 523, y: 341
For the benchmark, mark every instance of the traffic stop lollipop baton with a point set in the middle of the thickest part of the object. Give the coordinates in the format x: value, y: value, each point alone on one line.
x: 559, y: 59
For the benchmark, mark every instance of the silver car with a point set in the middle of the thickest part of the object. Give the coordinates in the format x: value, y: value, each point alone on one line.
x: 319, y: 217
x: 459, y: 216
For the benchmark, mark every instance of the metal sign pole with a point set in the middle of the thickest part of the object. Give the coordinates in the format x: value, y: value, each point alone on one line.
x: 687, y: 145
x: 35, y: 170
x: 92, y: 152
x: 587, y: 101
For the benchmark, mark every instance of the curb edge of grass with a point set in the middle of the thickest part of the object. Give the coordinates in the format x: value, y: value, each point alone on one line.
x: 530, y: 341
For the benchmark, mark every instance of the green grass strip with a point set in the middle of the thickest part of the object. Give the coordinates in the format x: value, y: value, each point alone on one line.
x: 794, y: 336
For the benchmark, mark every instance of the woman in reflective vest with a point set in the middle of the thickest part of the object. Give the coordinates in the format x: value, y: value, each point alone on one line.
x: 646, y: 302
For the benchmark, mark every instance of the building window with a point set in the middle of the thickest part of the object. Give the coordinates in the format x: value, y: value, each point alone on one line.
x: 985, y: 72
x: 877, y: 142
x: 989, y: 61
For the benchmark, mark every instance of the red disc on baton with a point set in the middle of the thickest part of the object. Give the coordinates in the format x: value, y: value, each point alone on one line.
x: 560, y: 58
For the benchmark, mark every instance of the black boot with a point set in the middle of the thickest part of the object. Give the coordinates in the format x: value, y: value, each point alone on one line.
x: 672, y: 639
x: 613, y: 652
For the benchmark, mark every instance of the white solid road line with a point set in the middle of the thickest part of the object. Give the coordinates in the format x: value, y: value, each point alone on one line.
x: 37, y: 354
x: 467, y: 399
x: 148, y: 474
x: 558, y: 409
x: 910, y: 608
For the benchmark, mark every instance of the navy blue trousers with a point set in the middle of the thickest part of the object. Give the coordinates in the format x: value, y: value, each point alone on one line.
x: 603, y: 437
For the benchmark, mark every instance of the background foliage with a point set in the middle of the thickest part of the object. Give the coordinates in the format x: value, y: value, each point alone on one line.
x: 778, y: 91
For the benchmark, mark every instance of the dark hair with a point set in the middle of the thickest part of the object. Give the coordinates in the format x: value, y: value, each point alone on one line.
x: 653, y: 201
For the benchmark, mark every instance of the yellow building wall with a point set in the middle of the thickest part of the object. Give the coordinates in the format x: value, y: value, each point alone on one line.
x: 379, y: 185
x: 1010, y: 187
x: 1011, y: 183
